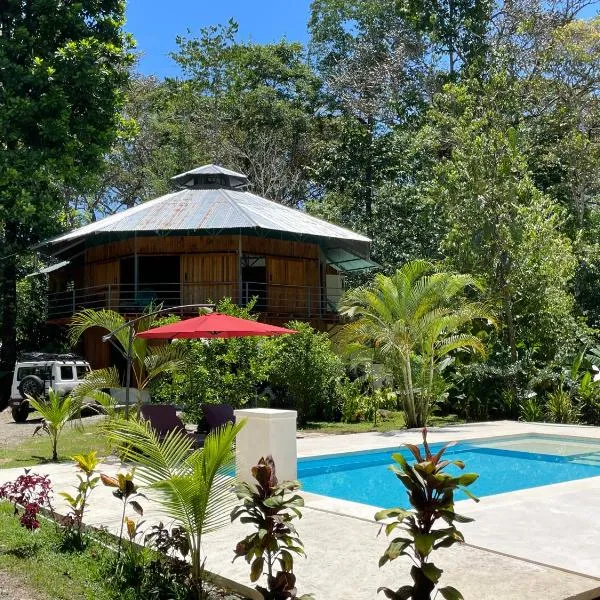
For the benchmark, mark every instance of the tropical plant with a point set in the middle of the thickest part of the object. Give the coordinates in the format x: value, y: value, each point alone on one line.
x: 92, y: 386
x: 193, y: 486
x: 73, y: 521
x: 56, y: 412
x: 268, y: 506
x: 126, y: 491
x: 431, y: 494
x: 414, y: 319
x: 560, y: 407
x: 148, y: 362
x: 30, y: 492
x: 531, y: 410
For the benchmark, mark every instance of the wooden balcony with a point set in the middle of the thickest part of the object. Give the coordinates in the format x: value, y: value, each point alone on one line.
x: 274, y: 302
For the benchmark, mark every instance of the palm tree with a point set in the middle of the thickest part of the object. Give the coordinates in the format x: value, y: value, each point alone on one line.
x: 56, y: 411
x: 413, y: 322
x: 148, y: 362
x: 193, y: 486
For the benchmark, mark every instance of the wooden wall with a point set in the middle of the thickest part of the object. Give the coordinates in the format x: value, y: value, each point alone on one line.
x: 96, y: 352
x: 293, y: 285
x: 208, y: 270
x: 201, y: 244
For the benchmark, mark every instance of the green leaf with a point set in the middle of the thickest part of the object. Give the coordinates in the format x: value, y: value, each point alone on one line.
x: 450, y: 593
x: 424, y: 543
x: 467, y: 478
x: 403, y: 593
x: 256, y: 568
x: 432, y: 572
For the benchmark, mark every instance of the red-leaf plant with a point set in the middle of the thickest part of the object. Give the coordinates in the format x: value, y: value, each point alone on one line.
x: 269, y: 507
x: 431, y: 494
x: 31, y: 492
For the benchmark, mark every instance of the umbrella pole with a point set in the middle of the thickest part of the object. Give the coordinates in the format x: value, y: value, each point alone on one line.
x: 128, y: 373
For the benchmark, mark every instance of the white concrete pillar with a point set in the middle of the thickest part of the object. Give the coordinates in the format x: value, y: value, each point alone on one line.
x: 267, y: 431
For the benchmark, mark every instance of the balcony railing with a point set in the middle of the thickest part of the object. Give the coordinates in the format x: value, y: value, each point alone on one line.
x: 274, y: 300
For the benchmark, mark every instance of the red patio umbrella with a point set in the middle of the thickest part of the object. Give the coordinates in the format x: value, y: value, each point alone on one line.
x: 213, y: 325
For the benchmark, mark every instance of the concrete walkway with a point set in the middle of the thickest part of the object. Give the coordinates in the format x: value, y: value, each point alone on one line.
x: 555, y: 526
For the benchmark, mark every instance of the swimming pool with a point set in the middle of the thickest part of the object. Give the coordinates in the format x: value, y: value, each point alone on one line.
x: 504, y: 464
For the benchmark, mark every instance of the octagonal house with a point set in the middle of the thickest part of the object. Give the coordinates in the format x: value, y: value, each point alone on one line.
x: 210, y: 239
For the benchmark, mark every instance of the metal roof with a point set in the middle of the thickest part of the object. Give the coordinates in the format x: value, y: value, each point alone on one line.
x: 212, y: 209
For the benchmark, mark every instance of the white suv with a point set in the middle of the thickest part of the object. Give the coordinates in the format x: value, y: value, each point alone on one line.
x: 37, y: 372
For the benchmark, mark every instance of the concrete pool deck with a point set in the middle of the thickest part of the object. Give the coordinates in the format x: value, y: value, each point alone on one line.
x: 540, y: 543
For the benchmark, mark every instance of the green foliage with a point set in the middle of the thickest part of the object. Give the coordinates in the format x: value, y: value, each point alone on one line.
x: 219, y: 371
x: 531, y: 410
x: 73, y: 537
x: 192, y: 486
x: 306, y: 372
x: 414, y: 321
x: 431, y: 493
x: 559, y: 407
x: 56, y: 412
x: 63, y: 69
x: 148, y: 361
x: 270, y: 507
x: 502, y: 228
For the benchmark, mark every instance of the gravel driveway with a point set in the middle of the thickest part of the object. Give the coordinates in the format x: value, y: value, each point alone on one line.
x: 12, y: 434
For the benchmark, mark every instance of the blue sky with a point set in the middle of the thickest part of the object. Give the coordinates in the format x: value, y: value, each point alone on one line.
x: 155, y: 24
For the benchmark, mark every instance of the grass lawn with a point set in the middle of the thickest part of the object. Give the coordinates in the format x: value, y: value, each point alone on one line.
x: 37, y: 450
x: 394, y: 421
x: 33, y: 558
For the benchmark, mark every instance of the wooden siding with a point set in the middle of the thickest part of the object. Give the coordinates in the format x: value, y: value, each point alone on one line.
x: 201, y: 244
x: 96, y: 352
x: 293, y: 285
x: 103, y: 279
x: 217, y: 273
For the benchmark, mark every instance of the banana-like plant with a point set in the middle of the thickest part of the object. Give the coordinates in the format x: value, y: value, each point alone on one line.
x: 148, y: 361
x: 412, y: 321
x: 56, y: 412
x: 193, y: 486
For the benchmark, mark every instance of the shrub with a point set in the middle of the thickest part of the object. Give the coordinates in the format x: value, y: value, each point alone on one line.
x: 270, y: 507
x: 73, y: 537
x: 29, y: 492
x: 431, y: 494
x: 306, y: 371
x: 216, y: 371
x: 56, y: 412
x: 560, y: 408
x: 531, y: 410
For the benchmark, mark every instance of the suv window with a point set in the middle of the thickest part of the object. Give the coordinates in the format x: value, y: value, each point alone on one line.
x: 66, y: 372
x: 44, y: 372
x: 82, y: 371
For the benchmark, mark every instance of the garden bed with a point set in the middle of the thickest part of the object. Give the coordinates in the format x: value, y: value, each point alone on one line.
x: 36, y: 562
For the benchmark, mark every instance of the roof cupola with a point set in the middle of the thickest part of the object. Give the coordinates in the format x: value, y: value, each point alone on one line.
x: 211, y: 177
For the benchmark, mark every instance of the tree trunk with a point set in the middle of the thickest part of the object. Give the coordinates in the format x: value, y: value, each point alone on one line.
x: 8, y: 297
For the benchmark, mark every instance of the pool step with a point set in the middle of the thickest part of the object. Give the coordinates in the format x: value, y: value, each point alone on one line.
x: 591, y: 460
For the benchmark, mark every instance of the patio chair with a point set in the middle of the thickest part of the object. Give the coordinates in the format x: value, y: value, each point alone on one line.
x: 217, y: 415
x: 163, y: 419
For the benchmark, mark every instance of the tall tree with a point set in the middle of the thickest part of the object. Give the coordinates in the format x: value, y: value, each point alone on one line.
x: 258, y: 102
x: 62, y: 68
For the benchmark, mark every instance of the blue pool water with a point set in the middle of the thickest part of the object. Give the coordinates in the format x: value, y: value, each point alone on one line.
x: 504, y: 464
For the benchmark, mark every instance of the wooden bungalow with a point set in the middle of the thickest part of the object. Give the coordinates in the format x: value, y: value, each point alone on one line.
x: 210, y: 239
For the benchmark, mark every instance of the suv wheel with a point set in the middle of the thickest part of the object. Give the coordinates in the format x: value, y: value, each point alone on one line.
x: 31, y: 385
x: 20, y: 413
